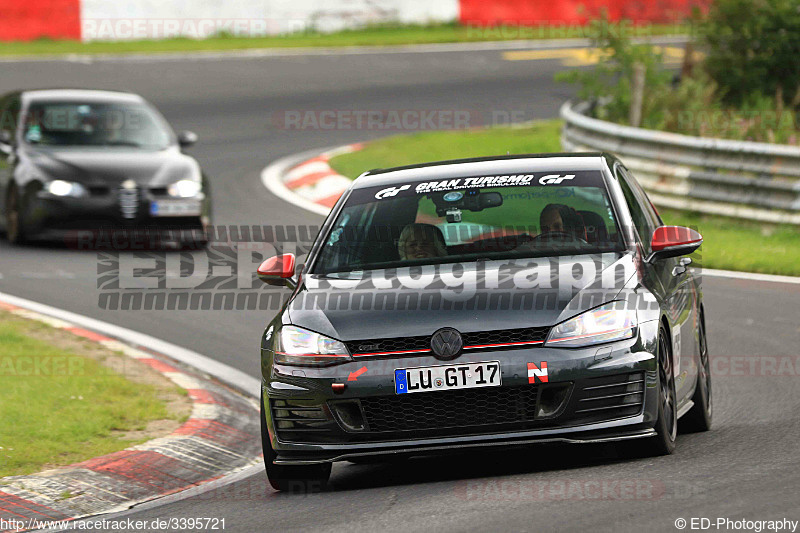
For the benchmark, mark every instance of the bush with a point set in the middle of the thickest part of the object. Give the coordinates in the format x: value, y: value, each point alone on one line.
x: 693, y: 107
x: 748, y: 88
x: 611, y: 80
x: 753, y: 49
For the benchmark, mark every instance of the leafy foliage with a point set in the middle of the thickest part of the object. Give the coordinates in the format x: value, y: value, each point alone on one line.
x: 611, y: 80
x: 747, y: 87
x: 753, y: 49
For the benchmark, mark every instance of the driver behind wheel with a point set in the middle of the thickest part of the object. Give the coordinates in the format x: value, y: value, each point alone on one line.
x: 561, y: 219
x: 421, y: 241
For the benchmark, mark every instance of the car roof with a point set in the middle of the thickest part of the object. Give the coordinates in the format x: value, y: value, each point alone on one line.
x: 489, y: 166
x: 81, y: 95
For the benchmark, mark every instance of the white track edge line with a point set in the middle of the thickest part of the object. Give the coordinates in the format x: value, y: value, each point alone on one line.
x: 272, y: 176
x: 257, y: 53
x: 750, y: 276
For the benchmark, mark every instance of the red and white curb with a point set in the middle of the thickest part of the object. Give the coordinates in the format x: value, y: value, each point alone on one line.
x: 309, y: 182
x: 222, y: 436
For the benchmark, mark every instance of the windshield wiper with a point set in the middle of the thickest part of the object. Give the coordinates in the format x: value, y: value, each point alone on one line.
x: 122, y: 143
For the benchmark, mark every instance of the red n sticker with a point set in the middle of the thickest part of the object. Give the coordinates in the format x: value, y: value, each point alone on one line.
x: 537, y: 371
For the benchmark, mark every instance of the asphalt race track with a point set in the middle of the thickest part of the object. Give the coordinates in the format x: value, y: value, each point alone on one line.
x: 745, y: 468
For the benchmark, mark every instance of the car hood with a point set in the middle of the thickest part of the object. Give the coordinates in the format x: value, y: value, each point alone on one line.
x: 494, y: 295
x: 104, y: 166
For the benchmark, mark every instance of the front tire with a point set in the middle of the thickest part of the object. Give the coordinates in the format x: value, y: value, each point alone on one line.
x: 15, y: 223
x: 699, y: 416
x: 663, y: 442
x: 290, y: 478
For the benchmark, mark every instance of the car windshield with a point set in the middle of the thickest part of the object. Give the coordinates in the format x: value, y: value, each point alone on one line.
x: 95, y: 124
x: 469, y: 219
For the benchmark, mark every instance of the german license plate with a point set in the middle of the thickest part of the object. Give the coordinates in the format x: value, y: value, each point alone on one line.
x: 174, y: 208
x: 447, y: 377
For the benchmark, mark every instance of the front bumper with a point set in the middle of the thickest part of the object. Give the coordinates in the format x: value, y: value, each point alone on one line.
x: 307, y: 423
x: 134, y: 209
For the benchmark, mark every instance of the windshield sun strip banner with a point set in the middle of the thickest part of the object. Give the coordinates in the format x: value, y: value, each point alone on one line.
x: 541, y: 180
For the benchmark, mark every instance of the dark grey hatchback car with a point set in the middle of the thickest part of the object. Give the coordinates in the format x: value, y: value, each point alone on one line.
x: 484, y: 302
x: 74, y: 160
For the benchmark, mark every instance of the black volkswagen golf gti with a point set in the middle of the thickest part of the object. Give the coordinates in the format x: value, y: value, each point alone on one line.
x: 75, y: 159
x: 483, y: 302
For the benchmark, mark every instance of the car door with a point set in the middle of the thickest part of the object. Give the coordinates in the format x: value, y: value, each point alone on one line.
x: 673, y: 278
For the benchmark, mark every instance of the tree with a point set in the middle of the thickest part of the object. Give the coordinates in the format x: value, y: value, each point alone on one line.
x: 754, y: 49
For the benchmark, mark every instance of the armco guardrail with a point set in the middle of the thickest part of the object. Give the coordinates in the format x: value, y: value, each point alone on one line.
x: 757, y: 181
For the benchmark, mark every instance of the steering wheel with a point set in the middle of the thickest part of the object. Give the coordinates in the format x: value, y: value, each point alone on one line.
x: 559, y: 236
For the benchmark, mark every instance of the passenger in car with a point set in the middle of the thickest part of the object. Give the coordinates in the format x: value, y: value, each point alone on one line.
x: 421, y: 241
x: 560, y: 218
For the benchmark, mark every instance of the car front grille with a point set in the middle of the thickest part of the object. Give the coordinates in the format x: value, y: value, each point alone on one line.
x: 505, y: 338
x: 129, y: 203
x: 460, y: 412
x: 300, y: 420
x: 98, y: 190
x: 610, y: 397
x: 510, y: 408
x: 470, y: 408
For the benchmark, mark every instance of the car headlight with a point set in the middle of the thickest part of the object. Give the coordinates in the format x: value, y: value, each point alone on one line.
x: 65, y: 188
x: 184, y: 189
x: 298, y: 346
x: 609, y: 322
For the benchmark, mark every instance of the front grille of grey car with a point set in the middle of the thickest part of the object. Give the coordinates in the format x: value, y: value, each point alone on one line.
x: 514, y: 408
x: 458, y: 412
x: 299, y: 420
x: 468, y: 408
x: 609, y: 397
x: 129, y: 203
x: 504, y: 338
x: 98, y: 190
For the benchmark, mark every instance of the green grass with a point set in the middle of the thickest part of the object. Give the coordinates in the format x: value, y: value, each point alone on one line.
x: 382, y: 35
x: 436, y: 146
x: 729, y: 244
x: 58, y: 407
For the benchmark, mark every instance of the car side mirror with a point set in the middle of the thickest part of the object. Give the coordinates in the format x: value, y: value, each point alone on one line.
x: 186, y: 139
x: 673, y: 241
x: 278, y: 270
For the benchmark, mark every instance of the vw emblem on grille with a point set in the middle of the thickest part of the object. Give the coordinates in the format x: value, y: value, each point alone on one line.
x: 128, y: 184
x: 367, y: 347
x: 446, y: 343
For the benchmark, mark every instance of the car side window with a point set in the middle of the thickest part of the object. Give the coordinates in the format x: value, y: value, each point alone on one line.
x: 647, y: 205
x: 5, y: 119
x: 9, y: 115
x: 641, y: 220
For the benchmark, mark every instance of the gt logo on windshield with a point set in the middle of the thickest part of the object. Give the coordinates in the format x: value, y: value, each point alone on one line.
x: 391, y: 191
x: 555, y: 179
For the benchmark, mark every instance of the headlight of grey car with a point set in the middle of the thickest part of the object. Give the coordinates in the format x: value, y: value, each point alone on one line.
x: 66, y: 188
x: 609, y: 322
x: 184, y: 189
